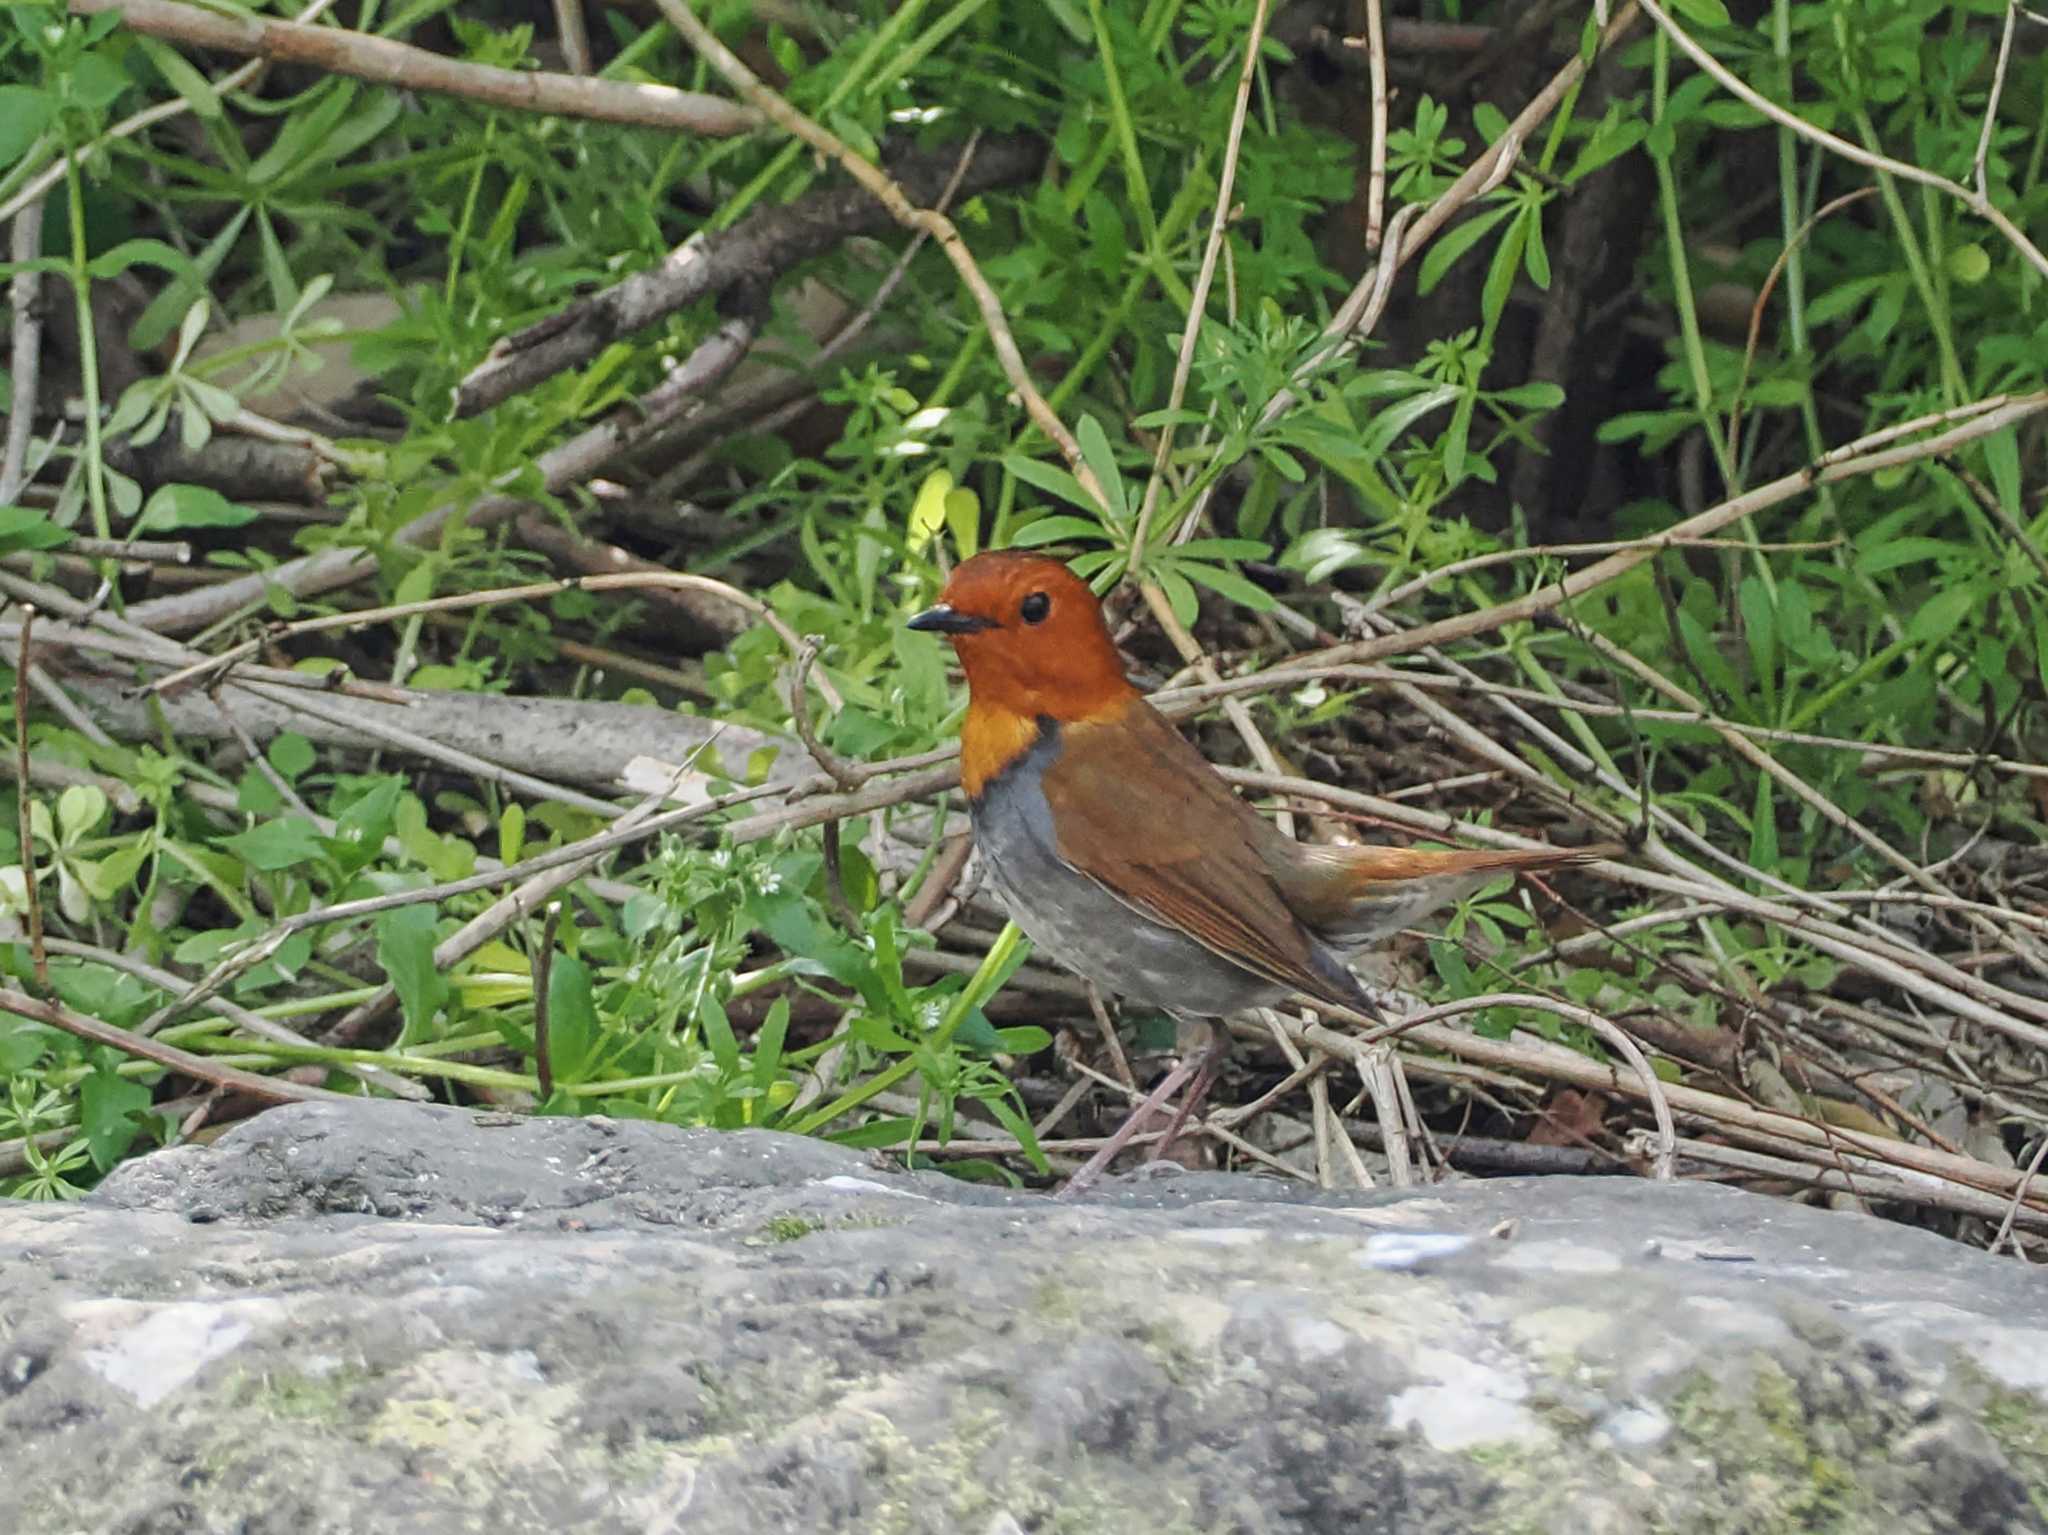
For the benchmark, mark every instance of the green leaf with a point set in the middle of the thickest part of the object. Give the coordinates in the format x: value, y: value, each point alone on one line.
x: 1213, y: 549
x: 1228, y: 583
x: 1045, y: 477
x: 142, y: 253
x: 1390, y: 423
x: 718, y: 1035
x: 2002, y: 453
x: 1053, y: 530
x: 363, y: 827
x: 1760, y: 627
x: 963, y: 520
x: 1535, y: 258
x: 280, y: 844
x: 303, y: 133
x: 1500, y: 272
x: 94, y: 80
x: 1844, y: 299
x: 191, y: 506
x: 24, y: 113
x: 1444, y: 253
x: 1537, y: 394
x: 1702, y: 13
x: 928, y: 511
x: 1763, y: 827
x: 1283, y: 464
x: 1940, y: 614
x: 80, y: 808
x: 1706, y: 656
x: 1187, y: 607
x: 511, y: 832
x: 291, y: 754
x: 405, y: 951
x: 876, y: 1034
x: 108, y: 1104
x: 1609, y: 142
x: 1896, y: 552
x: 572, y: 1019
x: 1456, y: 435
x: 188, y: 82
x: 1097, y: 454
x: 1022, y: 1039
x: 768, y: 1044
x: 977, y: 1034
x: 22, y: 1043
x: 1019, y: 1126
x: 101, y: 992
x: 23, y: 527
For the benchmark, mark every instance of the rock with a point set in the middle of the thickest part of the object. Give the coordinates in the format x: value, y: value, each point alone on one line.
x: 361, y: 1319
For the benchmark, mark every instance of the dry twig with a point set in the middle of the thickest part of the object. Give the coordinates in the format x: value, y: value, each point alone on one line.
x: 387, y: 62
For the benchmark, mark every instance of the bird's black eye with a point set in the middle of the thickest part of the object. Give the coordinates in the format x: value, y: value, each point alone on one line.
x: 1036, y: 606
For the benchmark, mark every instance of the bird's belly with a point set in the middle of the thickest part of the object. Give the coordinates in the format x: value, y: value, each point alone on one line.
x: 1074, y: 920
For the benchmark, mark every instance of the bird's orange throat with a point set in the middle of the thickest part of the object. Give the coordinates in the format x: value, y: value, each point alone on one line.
x: 992, y: 737
x: 990, y: 740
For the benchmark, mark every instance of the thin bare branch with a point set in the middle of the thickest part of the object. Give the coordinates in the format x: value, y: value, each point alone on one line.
x: 25, y: 802
x: 885, y: 191
x: 387, y: 62
x: 24, y: 293
x: 1198, y: 300
x: 1376, y: 175
x: 1976, y: 201
x: 274, y: 1089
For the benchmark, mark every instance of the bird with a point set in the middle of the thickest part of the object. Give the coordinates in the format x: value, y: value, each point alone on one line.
x: 1121, y: 852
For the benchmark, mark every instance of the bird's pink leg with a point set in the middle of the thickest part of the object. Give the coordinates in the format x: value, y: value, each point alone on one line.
x: 1207, y: 1069
x: 1200, y: 1070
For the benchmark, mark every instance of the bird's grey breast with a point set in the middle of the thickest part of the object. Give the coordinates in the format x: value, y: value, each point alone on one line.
x: 1074, y: 920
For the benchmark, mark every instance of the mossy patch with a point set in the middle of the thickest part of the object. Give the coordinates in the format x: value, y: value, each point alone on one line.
x: 1782, y: 1470
x: 784, y: 1228
x: 2019, y: 1423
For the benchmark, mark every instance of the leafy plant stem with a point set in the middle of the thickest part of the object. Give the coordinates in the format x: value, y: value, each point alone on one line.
x: 1790, y: 216
x: 1544, y: 680
x: 406, y: 1063
x: 1178, y: 214
x: 1135, y: 183
x: 858, y: 72
x: 980, y: 986
x: 1681, y: 273
x: 1820, y: 703
x: 1916, y: 267
x: 88, y: 356
x: 457, y: 245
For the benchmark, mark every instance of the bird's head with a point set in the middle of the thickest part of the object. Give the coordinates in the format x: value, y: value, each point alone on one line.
x: 1030, y: 636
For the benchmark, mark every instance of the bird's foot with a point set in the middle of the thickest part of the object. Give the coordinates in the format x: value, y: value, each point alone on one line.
x: 1091, y: 1170
x: 1207, y: 1069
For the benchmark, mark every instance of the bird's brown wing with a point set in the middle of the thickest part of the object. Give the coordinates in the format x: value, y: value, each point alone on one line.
x: 1137, y: 809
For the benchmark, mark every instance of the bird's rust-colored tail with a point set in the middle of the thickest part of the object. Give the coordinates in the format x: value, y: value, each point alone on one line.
x: 1354, y: 897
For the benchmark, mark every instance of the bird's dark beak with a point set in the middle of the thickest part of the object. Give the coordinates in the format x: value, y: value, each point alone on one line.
x: 945, y: 620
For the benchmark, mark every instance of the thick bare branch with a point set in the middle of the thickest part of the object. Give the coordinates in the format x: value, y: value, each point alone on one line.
x: 758, y: 248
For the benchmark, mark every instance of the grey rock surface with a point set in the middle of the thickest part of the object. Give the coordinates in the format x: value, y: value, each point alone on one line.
x: 375, y: 1318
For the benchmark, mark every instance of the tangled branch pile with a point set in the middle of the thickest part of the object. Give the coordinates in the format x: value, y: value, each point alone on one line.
x: 371, y: 394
